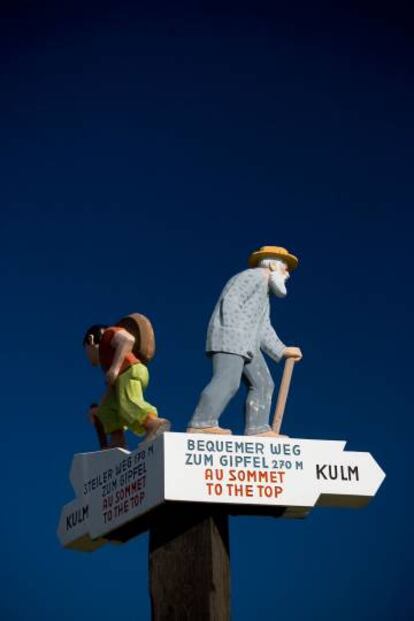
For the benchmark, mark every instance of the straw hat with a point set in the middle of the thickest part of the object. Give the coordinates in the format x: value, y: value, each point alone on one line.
x: 273, y: 252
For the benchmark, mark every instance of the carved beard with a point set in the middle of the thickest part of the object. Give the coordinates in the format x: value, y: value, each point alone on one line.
x: 277, y: 284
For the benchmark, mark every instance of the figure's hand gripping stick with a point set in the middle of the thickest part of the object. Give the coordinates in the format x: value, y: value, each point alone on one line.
x: 283, y: 394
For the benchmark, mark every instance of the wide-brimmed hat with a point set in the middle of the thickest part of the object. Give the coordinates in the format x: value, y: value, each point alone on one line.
x: 273, y: 252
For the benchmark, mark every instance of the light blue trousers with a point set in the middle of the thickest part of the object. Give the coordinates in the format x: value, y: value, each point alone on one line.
x: 228, y: 370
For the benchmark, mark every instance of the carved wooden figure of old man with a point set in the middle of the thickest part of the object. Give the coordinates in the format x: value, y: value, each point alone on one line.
x: 238, y: 332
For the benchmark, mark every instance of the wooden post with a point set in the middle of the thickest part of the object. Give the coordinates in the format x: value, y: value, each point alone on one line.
x: 189, y: 565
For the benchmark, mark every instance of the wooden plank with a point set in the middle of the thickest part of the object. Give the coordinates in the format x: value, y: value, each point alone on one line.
x: 189, y: 564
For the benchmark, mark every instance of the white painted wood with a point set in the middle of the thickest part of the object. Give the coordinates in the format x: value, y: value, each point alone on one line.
x: 115, y: 486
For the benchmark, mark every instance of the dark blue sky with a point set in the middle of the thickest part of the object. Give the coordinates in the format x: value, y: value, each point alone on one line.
x: 145, y: 152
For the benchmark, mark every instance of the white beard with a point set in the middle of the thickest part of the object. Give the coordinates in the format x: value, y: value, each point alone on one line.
x: 277, y: 284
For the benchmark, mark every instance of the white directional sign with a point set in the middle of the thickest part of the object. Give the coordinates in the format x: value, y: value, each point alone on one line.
x: 115, y: 487
x: 112, y: 488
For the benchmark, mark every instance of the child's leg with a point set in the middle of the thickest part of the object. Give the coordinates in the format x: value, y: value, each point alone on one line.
x: 100, y: 432
x: 132, y: 407
x: 118, y: 439
x: 108, y: 414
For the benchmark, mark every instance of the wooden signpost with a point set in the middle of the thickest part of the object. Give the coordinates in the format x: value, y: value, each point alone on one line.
x: 182, y: 487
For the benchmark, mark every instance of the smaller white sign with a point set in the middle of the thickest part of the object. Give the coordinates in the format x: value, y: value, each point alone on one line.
x: 112, y: 487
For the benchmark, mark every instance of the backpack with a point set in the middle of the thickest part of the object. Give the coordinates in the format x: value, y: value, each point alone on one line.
x: 141, y: 329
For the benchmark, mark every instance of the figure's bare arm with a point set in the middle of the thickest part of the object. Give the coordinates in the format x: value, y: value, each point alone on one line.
x: 123, y: 343
x: 105, y: 396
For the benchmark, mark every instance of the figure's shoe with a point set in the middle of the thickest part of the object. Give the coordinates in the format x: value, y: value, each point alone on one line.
x: 268, y: 434
x: 155, y: 427
x: 214, y: 430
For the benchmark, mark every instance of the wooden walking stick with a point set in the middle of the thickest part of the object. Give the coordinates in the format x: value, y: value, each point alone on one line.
x: 283, y: 394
